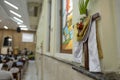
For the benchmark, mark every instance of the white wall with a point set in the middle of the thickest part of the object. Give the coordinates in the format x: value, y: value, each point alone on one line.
x: 40, y: 31
x: 116, y: 11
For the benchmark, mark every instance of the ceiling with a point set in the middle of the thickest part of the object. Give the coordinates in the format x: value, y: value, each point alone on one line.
x: 7, y: 18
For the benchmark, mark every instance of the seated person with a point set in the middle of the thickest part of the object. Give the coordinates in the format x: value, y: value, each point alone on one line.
x: 1, y: 64
x: 23, y: 51
x: 2, y: 56
x: 6, y: 59
x: 0, y: 60
x: 19, y: 63
x: 14, y: 58
x: 18, y: 57
x: 10, y: 63
x: 14, y: 68
x: 31, y: 56
x: 5, y: 74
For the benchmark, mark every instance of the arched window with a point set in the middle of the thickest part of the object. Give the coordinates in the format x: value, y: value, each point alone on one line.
x: 49, y: 26
x: 7, y: 41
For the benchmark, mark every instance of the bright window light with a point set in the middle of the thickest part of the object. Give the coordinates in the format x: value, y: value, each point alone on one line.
x: 15, y: 13
x: 27, y: 37
x: 18, y: 19
x: 24, y: 28
x: 5, y: 27
x: 9, y: 39
x: 10, y: 4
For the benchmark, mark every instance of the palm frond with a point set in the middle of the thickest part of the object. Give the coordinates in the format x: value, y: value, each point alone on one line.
x: 83, y: 6
x: 86, y: 3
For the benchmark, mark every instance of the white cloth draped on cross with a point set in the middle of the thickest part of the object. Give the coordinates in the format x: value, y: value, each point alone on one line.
x: 94, y: 62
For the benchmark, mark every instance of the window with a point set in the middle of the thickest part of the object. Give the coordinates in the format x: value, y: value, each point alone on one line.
x: 7, y: 41
x: 27, y: 37
x: 33, y: 9
x: 49, y: 24
x: 66, y: 26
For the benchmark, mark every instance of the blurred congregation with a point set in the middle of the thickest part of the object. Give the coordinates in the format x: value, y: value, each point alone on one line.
x: 13, y: 66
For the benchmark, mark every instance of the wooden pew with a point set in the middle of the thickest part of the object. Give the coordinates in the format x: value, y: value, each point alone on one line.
x: 23, y: 69
x: 16, y: 76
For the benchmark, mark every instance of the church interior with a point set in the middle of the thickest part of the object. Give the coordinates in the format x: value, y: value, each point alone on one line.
x: 59, y: 40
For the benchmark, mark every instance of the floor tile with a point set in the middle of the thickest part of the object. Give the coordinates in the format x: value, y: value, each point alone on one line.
x: 31, y: 73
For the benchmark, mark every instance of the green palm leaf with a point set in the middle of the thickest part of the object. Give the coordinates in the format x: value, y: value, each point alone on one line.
x: 86, y: 3
x: 83, y: 6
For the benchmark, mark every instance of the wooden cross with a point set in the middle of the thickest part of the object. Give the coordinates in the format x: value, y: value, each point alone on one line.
x: 95, y: 17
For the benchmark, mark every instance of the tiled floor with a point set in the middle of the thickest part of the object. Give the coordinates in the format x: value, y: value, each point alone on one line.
x: 31, y: 73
